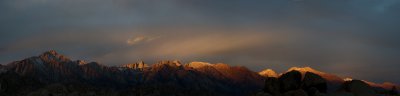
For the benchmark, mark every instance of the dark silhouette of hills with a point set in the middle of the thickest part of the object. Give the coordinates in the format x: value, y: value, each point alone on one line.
x: 53, y: 74
x: 309, y: 82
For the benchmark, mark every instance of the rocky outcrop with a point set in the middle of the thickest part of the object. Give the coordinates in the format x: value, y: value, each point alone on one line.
x: 53, y: 56
x: 333, y: 82
x: 272, y: 86
x: 358, y: 88
x: 137, y: 66
x: 174, y: 63
x: 292, y: 84
x: 329, y: 77
x: 314, y: 83
x: 290, y: 81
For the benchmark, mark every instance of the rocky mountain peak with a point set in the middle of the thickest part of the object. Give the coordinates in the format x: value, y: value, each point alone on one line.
x: 177, y: 62
x: 54, y: 52
x: 329, y: 77
x: 140, y: 63
x: 53, y: 55
x: 52, y: 67
x: 268, y: 73
x: 198, y: 64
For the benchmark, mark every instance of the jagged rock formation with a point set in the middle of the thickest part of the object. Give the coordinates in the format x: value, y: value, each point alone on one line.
x: 174, y: 63
x: 58, y: 75
x: 268, y: 73
x: 47, y: 67
x: 51, y: 74
x: 137, y: 66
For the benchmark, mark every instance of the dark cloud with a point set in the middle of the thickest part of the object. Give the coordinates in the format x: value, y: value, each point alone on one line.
x: 356, y: 38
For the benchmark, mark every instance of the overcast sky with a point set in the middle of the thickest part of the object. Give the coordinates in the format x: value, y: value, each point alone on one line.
x: 350, y: 38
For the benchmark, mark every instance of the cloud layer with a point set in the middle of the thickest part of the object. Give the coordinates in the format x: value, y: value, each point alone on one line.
x: 345, y: 37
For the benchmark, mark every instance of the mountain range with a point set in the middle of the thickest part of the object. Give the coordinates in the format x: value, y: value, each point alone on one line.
x: 53, y: 74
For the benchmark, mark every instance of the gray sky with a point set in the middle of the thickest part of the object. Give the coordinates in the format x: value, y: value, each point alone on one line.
x: 351, y: 38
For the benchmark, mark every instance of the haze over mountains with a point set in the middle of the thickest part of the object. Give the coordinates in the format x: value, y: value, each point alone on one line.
x: 54, y: 74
